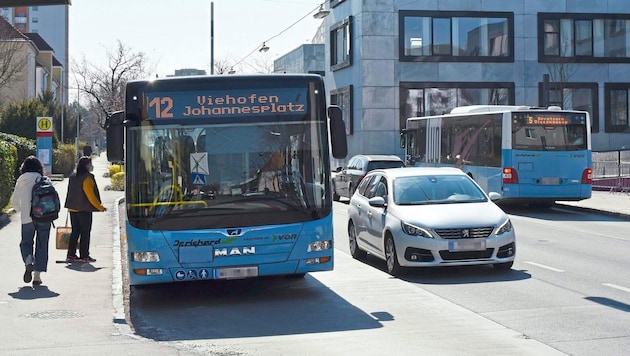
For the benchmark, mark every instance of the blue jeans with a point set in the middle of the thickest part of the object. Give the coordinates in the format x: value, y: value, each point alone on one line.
x: 40, y: 254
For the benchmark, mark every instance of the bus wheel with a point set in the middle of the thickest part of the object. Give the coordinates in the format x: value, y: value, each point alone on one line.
x: 356, y: 252
x: 393, y: 267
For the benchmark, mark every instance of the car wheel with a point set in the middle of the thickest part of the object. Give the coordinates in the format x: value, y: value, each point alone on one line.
x: 393, y: 267
x: 503, y: 266
x: 356, y: 252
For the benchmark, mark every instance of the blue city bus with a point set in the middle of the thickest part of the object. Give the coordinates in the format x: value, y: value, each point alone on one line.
x: 527, y: 154
x: 227, y: 177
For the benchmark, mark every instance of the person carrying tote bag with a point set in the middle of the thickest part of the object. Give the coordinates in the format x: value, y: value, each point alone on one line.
x: 82, y: 199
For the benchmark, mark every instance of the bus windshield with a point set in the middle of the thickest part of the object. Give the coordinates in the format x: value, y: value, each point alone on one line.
x: 222, y: 175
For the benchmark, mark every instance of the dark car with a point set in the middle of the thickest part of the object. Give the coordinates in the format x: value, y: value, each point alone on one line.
x: 345, y: 182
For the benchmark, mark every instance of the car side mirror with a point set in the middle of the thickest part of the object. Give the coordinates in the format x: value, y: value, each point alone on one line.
x: 494, y: 196
x: 378, y: 202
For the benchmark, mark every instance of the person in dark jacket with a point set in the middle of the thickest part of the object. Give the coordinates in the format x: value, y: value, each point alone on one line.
x: 82, y: 199
x: 35, y: 259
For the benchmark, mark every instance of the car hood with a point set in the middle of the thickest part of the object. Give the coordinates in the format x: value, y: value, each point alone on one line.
x: 451, y: 215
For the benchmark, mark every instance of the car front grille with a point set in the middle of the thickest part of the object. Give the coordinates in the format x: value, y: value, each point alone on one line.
x: 465, y: 255
x: 459, y: 233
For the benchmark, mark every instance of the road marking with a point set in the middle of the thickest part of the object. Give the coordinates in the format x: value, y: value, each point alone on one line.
x: 543, y: 266
x: 617, y: 287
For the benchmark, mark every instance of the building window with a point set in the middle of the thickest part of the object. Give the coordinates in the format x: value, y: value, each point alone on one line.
x: 34, y: 20
x: 342, y: 97
x: 456, y: 36
x: 617, y: 99
x: 587, y: 38
x: 427, y: 99
x: 572, y: 96
x: 341, y: 44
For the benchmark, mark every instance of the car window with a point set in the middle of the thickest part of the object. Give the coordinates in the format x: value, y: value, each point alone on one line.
x: 384, y: 164
x: 436, y: 189
x: 364, y: 184
x: 351, y: 163
x: 377, y: 187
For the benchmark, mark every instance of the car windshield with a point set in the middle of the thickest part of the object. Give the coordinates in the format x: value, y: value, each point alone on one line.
x: 436, y: 189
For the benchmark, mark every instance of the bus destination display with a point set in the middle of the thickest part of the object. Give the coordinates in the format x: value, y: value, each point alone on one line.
x: 555, y: 119
x: 204, y: 104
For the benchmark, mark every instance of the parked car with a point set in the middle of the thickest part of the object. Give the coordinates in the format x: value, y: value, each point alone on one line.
x: 421, y: 217
x: 346, y: 180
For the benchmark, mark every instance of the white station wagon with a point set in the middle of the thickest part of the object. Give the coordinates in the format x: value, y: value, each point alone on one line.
x: 421, y: 217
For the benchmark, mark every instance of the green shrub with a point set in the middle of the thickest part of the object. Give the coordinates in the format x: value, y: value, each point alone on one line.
x: 64, y: 159
x: 8, y: 159
x: 24, y: 146
x: 118, y: 181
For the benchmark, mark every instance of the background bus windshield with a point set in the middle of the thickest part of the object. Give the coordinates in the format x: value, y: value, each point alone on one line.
x: 549, y: 132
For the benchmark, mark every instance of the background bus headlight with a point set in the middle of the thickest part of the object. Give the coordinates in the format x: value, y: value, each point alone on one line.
x: 320, y: 245
x: 145, y: 257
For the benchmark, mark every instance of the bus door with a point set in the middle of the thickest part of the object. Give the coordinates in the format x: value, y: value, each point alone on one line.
x: 434, y: 137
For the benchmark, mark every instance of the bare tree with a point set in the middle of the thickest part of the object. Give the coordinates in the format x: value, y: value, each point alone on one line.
x: 12, y: 63
x: 104, y: 87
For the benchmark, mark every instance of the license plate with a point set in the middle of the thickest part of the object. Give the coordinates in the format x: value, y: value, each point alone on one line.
x: 550, y: 181
x: 467, y: 245
x: 235, y: 272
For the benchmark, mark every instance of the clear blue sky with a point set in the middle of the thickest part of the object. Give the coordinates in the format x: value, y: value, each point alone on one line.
x: 175, y: 34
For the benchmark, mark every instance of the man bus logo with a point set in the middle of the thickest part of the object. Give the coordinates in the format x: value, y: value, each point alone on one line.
x: 235, y: 251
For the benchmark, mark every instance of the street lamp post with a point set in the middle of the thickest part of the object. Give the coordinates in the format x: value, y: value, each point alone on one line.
x: 211, y: 37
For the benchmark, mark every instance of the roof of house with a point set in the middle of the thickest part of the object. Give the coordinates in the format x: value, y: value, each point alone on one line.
x: 9, y: 32
x: 39, y: 42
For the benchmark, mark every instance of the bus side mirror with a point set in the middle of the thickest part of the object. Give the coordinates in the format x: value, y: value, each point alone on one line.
x: 337, y: 132
x: 115, y: 129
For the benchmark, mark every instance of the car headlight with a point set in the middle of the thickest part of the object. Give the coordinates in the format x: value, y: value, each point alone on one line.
x: 415, y: 230
x: 505, y: 227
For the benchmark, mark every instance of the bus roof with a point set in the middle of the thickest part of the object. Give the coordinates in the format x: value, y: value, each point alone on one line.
x: 490, y: 108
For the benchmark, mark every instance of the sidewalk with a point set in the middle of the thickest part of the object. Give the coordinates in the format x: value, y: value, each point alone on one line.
x: 610, y: 203
x: 74, y: 312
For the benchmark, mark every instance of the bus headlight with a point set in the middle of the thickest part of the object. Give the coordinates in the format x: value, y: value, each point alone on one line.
x: 149, y: 256
x: 319, y: 246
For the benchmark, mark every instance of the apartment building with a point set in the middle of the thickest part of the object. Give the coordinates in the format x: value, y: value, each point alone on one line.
x: 49, y: 24
x: 392, y: 59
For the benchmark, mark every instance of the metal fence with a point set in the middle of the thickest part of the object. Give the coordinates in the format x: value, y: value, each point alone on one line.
x: 611, y: 171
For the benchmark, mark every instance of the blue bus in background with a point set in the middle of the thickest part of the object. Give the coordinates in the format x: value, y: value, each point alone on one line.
x: 227, y: 176
x: 527, y: 154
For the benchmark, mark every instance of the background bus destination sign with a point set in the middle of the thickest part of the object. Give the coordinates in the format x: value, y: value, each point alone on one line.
x: 207, y: 104
x: 552, y: 118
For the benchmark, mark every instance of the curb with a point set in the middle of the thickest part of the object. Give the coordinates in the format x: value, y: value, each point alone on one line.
x: 593, y: 210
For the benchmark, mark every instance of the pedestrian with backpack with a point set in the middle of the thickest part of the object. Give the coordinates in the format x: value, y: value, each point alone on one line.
x: 33, y: 232
x: 82, y: 199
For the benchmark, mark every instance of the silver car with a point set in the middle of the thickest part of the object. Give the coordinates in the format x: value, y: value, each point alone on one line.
x: 419, y: 217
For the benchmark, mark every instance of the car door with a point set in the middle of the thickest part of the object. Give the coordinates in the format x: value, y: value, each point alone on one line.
x: 357, y: 212
x: 376, y: 215
x: 341, y: 180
